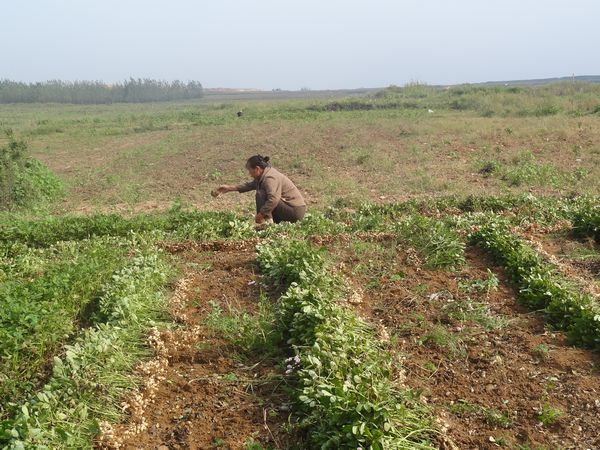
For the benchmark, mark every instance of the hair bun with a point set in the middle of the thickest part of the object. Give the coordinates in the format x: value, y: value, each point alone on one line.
x: 266, y: 158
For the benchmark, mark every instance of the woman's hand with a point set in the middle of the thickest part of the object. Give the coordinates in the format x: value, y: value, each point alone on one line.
x: 223, y: 189
x: 262, y: 221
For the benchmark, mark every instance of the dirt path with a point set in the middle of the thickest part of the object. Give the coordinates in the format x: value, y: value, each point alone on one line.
x: 489, y: 368
x: 200, y: 393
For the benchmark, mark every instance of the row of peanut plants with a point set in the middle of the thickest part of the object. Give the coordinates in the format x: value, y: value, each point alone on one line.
x: 90, y: 365
x: 345, y: 394
x: 541, y: 286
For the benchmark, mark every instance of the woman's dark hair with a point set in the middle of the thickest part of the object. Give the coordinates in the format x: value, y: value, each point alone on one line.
x: 257, y: 161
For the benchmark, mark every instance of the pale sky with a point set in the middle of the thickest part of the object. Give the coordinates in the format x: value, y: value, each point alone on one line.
x: 285, y: 44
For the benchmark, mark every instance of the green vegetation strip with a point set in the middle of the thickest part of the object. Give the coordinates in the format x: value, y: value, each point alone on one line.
x: 544, y: 210
x: 485, y: 101
x: 178, y: 223
x: 586, y: 221
x: 541, y: 287
x: 345, y: 394
x: 45, y: 296
x: 92, y: 374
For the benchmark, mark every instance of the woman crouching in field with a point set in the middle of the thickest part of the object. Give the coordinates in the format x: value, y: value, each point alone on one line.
x: 277, y: 198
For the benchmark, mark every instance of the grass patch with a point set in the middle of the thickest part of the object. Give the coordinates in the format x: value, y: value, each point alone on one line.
x: 485, y: 285
x: 469, y: 311
x: 251, y: 333
x: 491, y: 416
x: 524, y: 169
x: 439, y: 336
x: 437, y: 243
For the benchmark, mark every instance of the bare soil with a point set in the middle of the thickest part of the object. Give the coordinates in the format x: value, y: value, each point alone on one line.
x: 581, y: 254
x: 488, y: 386
x: 209, y: 396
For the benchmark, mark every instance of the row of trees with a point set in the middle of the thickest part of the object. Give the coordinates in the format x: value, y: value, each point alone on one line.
x: 130, y: 91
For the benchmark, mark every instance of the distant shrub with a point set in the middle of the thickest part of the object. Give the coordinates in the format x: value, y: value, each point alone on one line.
x: 351, y: 105
x: 24, y: 181
x: 462, y: 104
x: 547, y: 110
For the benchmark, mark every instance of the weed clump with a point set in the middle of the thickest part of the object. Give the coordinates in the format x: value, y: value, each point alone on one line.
x: 24, y: 181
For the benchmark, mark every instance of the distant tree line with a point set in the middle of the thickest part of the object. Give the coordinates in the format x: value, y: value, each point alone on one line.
x: 88, y: 92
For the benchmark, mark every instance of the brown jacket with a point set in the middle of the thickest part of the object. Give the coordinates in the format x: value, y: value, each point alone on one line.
x: 273, y: 187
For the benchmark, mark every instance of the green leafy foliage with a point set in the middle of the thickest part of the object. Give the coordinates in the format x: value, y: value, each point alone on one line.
x: 313, y: 223
x: 518, y: 209
x: 176, y: 223
x: 24, y: 181
x: 586, y: 219
x: 540, y: 287
x: 549, y: 415
x: 345, y: 396
x: 289, y: 261
x: 43, y: 300
x: 89, y: 380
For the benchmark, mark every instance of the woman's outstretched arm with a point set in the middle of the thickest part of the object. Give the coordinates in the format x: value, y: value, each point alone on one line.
x: 244, y: 187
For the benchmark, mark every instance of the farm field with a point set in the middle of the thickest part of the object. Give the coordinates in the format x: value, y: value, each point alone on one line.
x: 443, y: 291
x: 384, y: 148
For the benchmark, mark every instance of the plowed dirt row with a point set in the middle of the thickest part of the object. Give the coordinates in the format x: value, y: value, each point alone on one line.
x: 492, y: 385
x: 207, y: 395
